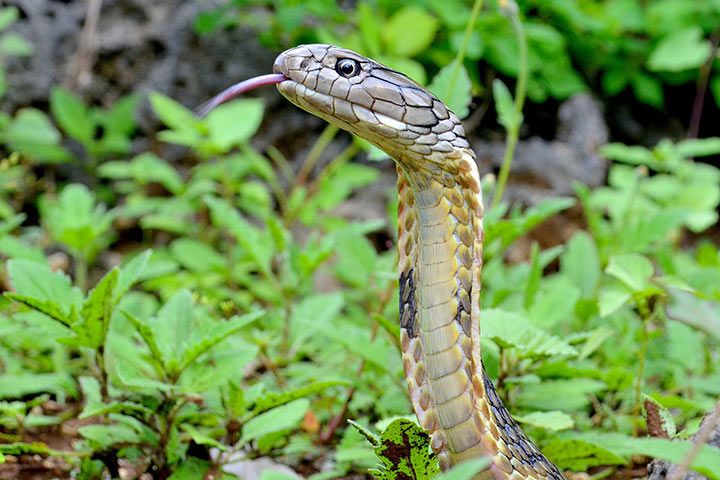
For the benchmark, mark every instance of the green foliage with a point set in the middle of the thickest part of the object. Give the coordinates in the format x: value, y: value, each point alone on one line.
x: 617, y: 45
x: 261, y: 317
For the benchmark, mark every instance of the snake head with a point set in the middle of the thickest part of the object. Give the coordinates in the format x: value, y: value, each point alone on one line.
x: 363, y: 97
x: 370, y: 100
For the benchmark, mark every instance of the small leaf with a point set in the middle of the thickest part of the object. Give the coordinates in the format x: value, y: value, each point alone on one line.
x: 274, y: 399
x: 465, y: 470
x: 504, y: 105
x: 173, y: 114
x: 96, y: 312
x: 631, y: 269
x: 552, y: 420
x: 680, y: 50
x: 234, y: 123
x: 579, y: 455
x: 452, y: 85
x: 409, y: 31
x: 278, y: 419
x: 511, y: 330
x: 72, y: 115
x: 403, y: 452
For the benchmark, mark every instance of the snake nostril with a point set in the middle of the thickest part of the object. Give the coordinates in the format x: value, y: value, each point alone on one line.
x: 305, y: 63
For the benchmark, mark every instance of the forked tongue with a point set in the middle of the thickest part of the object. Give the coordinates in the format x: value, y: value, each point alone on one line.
x: 237, y: 89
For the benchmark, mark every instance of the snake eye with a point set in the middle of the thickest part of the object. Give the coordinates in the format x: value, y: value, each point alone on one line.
x: 347, y: 67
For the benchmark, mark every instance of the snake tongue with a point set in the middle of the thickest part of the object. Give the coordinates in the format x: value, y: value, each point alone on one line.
x: 240, y: 87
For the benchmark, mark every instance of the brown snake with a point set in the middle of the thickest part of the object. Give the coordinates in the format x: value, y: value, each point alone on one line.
x: 440, y: 243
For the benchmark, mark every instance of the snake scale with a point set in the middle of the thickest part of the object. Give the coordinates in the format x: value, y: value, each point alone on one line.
x: 440, y: 247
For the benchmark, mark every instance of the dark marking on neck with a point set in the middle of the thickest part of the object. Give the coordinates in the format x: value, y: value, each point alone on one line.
x: 408, y: 310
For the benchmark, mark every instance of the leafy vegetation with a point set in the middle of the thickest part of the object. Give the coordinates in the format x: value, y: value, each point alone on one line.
x: 609, y: 46
x: 221, y: 307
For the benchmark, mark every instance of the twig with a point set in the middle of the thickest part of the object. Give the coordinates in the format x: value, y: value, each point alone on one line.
x: 78, y: 75
x: 702, y: 84
x: 701, y: 438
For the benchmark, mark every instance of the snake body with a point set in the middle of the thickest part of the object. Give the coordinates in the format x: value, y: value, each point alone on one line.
x: 440, y: 249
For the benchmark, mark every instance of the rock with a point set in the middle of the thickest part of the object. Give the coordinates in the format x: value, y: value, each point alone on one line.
x: 543, y: 168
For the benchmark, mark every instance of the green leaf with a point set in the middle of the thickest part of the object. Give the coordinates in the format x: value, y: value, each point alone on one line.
x: 680, y: 50
x: 465, y: 470
x: 698, y: 147
x: 173, y: 114
x: 72, y: 115
x: 96, y: 312
x: 21, y: 448
x: 14, y: 44
x: 278, y: 419
x: 512, y: 330
x: 452, y: 85
x: 218, y: 334
x: 552, y: 420
x: 579, y: 455
x: 32, y: 133
x: 274, y: 399
x: 197, y: 256
x: 34, y: 280
x: 631, y: 269
x: 234, y: 123
x: 504, y: 105
x: 46, y: 307
x: 652, y: 407
x: 8, y: 16
x: 581, y: 263
x: 566, y: 395
x: 612, y: 298
x: 403, y: 452
x: 22, y: 384
x: 131, y: 272
x: 707, y: 462
x: 409, y: 31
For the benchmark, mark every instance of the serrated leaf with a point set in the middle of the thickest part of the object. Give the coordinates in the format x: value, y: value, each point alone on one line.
x: 706, y: 462
x: 130, y: 273
x: 35, y: 280
x: 581, y: 263
x: 631, y: 269
x: 96, y: 311
x: 220, y: 333
x: 565, y: 395
x: 512, y: 330
x: 46, y: 307
x: 553, y: 420
x: 273, y: 399
x: 281, y: 418
x: 404, y: 452
x: 579, y: 455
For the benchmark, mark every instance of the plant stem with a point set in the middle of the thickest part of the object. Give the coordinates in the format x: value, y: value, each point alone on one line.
x: 81, y: 271
x: 520, y: 91
x: 315, y: 152
x: 477, y: 6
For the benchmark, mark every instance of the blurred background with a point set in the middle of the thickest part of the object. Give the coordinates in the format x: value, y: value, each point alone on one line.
x: 264, y: 224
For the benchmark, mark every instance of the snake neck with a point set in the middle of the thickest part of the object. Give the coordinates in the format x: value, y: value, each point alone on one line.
x: 440, y: 255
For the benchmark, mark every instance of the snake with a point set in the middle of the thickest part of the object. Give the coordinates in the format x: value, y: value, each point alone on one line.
x: 440, y: 242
